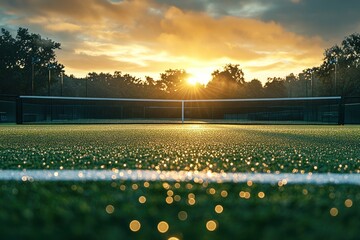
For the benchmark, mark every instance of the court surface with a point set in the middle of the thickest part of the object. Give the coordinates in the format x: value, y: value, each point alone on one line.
x: 173, y: 181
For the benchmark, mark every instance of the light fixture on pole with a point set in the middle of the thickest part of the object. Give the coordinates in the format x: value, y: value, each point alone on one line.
x: 50, y: 66
x: 312, y: 82
x: 61, y: 81
x: 335, y: 76
x: 34, y: 60
x: 334, y: 61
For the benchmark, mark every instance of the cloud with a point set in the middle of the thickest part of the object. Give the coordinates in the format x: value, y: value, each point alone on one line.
x: 148, y: 36
x: 330, y: 19
x: 55, y: 25
x: 86, y: 11
x: 86, y: 63
x: 243, y: 40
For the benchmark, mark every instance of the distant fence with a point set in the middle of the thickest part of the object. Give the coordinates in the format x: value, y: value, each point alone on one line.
x: 7, y: 109
x: 351, y: 110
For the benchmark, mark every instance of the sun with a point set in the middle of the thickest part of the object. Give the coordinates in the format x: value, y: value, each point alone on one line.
x: 198, y: 77
x: 192, y: 81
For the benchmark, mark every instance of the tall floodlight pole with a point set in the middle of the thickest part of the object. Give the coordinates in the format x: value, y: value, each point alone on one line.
x: 61, y: 82
x: 312, y: 83
x: 50, y: 66
x: 32, y: 77
x: 33, y: 61
x: 49, y: 80
x: 335, y: 77
x: 86, y: 87
x: 334, y: 61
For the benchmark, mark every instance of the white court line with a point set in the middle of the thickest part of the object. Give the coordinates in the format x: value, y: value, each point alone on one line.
x: 151, y: 175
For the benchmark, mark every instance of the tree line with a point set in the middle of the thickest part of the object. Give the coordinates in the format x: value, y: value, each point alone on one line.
x: 28, y: 66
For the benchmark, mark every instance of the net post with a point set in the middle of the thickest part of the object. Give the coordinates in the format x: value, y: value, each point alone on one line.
x: 341, y: 120
x: 19, y: 111
x: 182, y: 111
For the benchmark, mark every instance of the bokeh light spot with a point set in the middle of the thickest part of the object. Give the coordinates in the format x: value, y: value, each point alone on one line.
x: 191, y: 201
x: 169, y: 200
x: 334, y: 212
x: 224, y: 193
x: 134, y: 186
x: 211, y: 225
x: 348, y: 203
x: 142, y: 199
x: 261, y: 194
x: 182, y: 215
x: 135, y: 225
x: 212, y: 191
x: 219, y: 209
x: 110, y: 209
x: 163, y: 227
x: 173, y: 238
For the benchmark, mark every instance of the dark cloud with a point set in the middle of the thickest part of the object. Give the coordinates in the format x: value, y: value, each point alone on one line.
x: 330, y: 19
x: 185, y: 4
x: 4, y: 19
x: 215, y: 8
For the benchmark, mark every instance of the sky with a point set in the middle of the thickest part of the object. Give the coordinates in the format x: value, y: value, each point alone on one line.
x: 267, y: 38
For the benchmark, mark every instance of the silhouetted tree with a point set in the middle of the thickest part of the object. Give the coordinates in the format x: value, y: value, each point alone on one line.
x: 116, y: 85
x: 340, y: 71
x: 312, y: 76
x: 9, y: 79
x: 25, y: 58
x: 298, y: 85
x: 254, y: 89
x: 173, y: 82
x: 227, y: 83
x: 275, y: 87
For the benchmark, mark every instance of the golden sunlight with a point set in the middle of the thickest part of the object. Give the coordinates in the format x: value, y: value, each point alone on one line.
x: 198, y: 77
x: 192, y: 81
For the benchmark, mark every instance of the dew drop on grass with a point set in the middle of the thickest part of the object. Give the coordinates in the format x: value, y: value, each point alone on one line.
x: 182, y: 215
x: 261, y: 195
x: 163, y: 227
x: 135, y: 225
x: 142, y: 199
x: 219, y: 209
x: 348, y: 203
x: 211, y: 225
x: 334, y: 212
x: 109, y: 209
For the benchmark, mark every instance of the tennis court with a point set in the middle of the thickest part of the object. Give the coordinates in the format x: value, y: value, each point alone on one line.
x: 170, y: 181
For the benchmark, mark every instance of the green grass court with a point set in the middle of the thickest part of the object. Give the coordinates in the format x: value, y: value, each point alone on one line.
x: 180, y: 210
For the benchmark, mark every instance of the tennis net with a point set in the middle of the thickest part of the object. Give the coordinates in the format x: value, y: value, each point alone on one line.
x: 310, y: 110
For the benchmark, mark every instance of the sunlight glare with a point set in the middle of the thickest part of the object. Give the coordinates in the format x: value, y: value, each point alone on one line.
x: 199, y: 77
